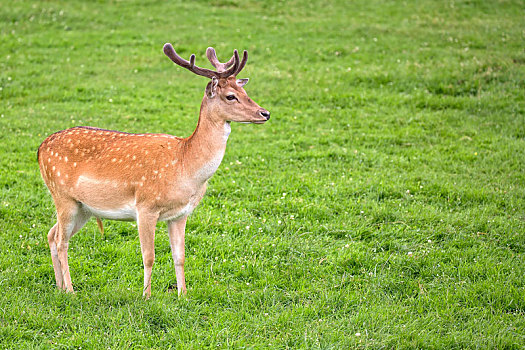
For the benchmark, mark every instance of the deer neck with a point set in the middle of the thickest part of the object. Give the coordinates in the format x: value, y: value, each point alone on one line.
x: 206, y: 146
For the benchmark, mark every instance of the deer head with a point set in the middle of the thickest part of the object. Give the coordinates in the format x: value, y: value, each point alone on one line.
x: 225, y: 98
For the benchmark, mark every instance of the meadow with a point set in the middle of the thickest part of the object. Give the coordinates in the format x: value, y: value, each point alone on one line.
x: 382, y: 206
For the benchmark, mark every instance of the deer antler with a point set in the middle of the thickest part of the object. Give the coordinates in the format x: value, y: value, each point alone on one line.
x: 212, y: 56
x: 221, y: 72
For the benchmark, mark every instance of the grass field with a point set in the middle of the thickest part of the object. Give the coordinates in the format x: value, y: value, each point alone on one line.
x: 382, y: 206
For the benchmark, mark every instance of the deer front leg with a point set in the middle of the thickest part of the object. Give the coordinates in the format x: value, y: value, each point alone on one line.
x: 176, y: 233
x: 146, y: 224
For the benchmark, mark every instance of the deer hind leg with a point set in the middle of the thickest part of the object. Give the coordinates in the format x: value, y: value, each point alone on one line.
x: 146, y: 224
x: 70, y: 219
x: 176, y: 233
x: 54, y: 255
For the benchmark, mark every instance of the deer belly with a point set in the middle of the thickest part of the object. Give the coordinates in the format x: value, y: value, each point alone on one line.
x: 127, y: 212
x: 105, y: 199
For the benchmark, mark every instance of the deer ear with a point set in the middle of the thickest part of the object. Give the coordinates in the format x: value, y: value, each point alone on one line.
x: 211, y: 88
x: 242, y: 82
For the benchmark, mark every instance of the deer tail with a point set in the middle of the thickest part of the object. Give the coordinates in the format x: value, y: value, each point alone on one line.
x: 100, y: 226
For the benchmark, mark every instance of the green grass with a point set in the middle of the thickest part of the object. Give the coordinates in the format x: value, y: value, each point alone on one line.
x: 382, y: 206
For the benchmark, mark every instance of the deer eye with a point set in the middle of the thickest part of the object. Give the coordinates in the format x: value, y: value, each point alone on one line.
x: 231, y: 97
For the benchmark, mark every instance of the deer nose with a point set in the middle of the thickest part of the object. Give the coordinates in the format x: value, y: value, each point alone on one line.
x: 265, y: 113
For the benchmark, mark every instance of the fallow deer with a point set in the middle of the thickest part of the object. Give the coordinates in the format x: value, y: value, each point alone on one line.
x: 143, y: 177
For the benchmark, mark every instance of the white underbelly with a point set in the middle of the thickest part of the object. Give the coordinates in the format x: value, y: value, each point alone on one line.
x: 126, y: 212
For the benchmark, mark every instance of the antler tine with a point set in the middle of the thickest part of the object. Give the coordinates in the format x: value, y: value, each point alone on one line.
x: 234, y: 67
x: 243, y: 62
